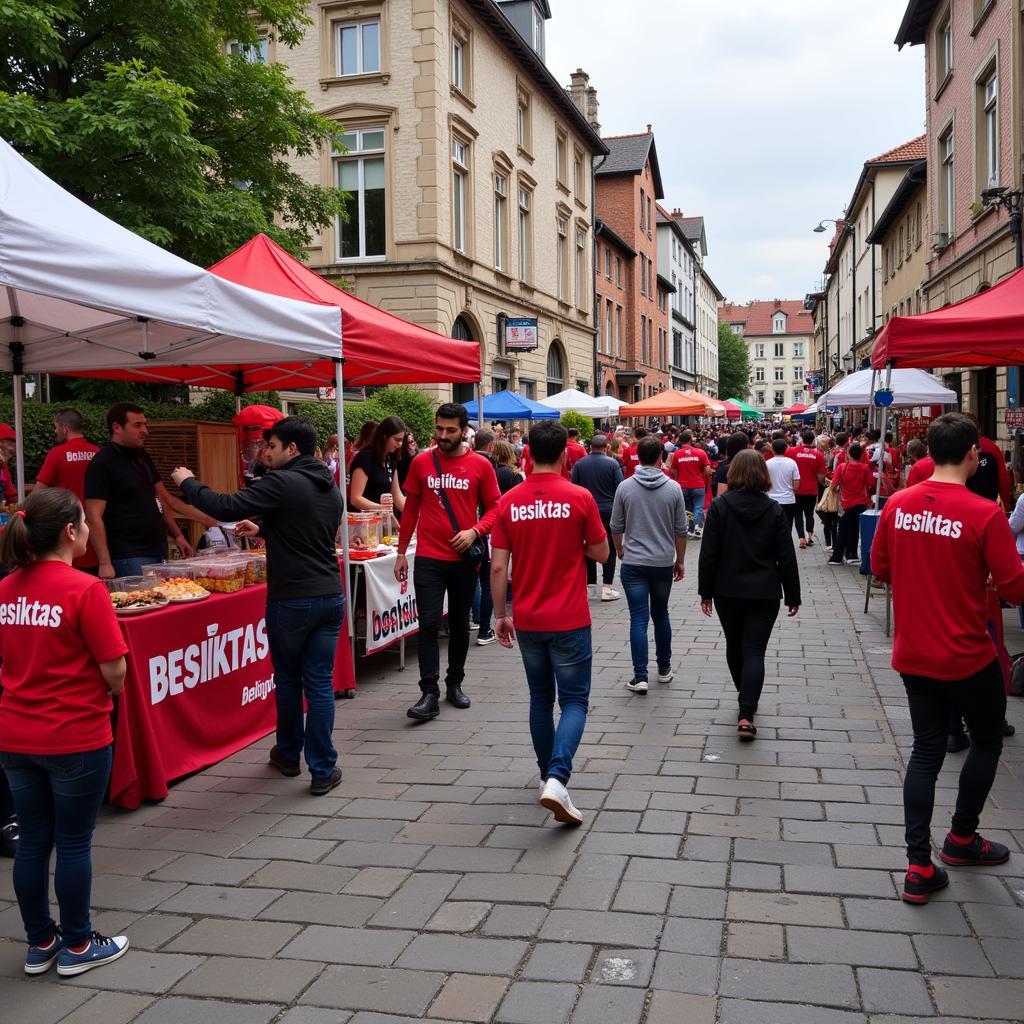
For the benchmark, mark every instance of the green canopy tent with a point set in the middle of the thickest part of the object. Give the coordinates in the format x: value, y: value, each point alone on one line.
x: 748, y: 411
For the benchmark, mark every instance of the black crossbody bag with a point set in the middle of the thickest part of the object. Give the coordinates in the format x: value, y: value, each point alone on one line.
x: 476, y: 551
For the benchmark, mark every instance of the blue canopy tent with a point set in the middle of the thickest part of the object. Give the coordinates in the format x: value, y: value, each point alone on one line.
x: 507, y: 405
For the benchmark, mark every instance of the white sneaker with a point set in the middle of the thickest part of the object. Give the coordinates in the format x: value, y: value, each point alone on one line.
x: 665, y: 677
x: 852, y: 561
x: 555, y: 798
x: 698, y: 532
x: 610, y: 595
x: 637, y: 685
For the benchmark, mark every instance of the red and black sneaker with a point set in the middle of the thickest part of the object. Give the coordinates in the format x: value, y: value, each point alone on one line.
x: 964, y: 853
x: 918, y: 886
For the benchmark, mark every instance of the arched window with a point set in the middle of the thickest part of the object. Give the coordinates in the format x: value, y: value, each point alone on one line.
x: 609, y: 389
x: 462, y: 330
x: 556, y: 369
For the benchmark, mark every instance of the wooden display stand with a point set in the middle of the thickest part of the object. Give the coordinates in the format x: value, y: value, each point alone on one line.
x: 210, y: 450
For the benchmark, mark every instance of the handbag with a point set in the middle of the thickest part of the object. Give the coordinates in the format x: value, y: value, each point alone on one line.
x: 477, y: 551
x: 829, y: 501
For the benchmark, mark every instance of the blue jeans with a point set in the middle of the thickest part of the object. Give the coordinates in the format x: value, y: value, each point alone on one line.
x: 57, y: 797
x: 133, y: 566
x: 303, y: 634
x: 647, y: 589
x: 557, y: 663
x: 693, y: 498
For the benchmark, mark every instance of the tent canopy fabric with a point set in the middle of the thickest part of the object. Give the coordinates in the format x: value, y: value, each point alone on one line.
x: 574, y: 400
x: 795, y: 409
x: 985, y: 330
x: 712, y: 406
x: 79, y: 292
x: 749, y: 412
x: 507, y: 405
x: 257, y: 416
x: 666, y: 403
x: 732, y: 410
x: 611, y: 404
x: 910, y: 388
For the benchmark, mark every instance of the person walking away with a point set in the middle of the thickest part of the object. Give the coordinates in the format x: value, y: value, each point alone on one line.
x: 630, y: 459
x: 484, y: 443
x: 600, y: 474
x: 691, y: 468
x: 63, y: 660
x: 735, y: 444
x: 299, y: 508
x: 445, y: 489
x: 940, y: 539
x: 851, y: 480
x: 785, y: 477
x: 548, y: 527
x: 648, y: 528
x: 746, y: 561
x: 811, y: 464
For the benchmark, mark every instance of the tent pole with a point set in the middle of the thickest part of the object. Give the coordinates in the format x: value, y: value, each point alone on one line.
x: 881, y: 461
x: 339, y: 405
x: 480, y: 404
x: 18, y: 361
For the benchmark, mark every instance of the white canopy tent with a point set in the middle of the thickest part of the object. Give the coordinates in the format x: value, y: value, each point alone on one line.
x: 910, y: 388
x: 611, y: 404
x: 573, y: 400
x: 79, y: 293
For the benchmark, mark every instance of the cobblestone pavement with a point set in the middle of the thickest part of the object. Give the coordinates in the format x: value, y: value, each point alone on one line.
x: 711, y: 882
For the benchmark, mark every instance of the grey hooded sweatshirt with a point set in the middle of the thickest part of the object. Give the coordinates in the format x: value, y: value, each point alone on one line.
x: 650, y: 513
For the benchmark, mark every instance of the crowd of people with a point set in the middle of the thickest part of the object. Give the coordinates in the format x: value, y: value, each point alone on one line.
x: 516, y: 528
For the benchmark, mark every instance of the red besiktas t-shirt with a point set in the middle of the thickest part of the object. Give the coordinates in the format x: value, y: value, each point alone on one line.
x: 689, y: 463
x: 545, y: 522
x: 810, y: 462
x: 574, y: 451
x: 57, y: 626
x: 469, y: 482
x: 630, y: 461
x: 65, y: 466
x: 937, y: 543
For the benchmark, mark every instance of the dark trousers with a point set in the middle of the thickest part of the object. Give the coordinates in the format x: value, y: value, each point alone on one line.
x: 6, y: 800
x: 57, y: 797
x: 608, y: 569
x: 981, y: 699
x: 433, y: 578
x: 830, y: 526
x: 794, y: 519
x: 805, y: 513
x: 486, y: 609
x: 747, y: 623
x: 303, y: 635
x: 847, y: 534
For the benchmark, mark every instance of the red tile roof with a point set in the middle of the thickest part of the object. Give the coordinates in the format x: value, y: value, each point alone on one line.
x: 915, y: 149
x: 756, y: 316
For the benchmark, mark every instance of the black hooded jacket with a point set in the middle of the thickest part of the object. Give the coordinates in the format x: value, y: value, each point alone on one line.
x: 299, y: 508
x: 747, y: 550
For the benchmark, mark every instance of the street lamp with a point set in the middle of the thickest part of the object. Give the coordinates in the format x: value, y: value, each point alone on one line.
x: 853, y: 284
x: 1012, y: 200
x: 848, y: 361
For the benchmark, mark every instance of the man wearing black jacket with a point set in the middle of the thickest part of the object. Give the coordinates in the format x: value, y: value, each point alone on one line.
x: 299, y: 507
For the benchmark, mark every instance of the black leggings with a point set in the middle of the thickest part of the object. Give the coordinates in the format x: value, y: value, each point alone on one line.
x: 847, y: 534
x: 805, y: 513
x: 608, y: 568
x: 829, y: 525
x: 981, y: 699
x: 793, y: 517
x: 747, y: 623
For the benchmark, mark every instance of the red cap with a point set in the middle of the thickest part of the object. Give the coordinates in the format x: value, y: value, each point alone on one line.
x: 6, y: 433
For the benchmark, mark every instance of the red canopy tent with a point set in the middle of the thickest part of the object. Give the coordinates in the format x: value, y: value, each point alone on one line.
x: 985, y: 330
x: 795, y: 409
x: 732, y: 412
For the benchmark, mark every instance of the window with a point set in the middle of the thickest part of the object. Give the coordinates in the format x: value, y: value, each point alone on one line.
x: 562, y: 259
x: 458, y: 63
x: 798, y: 374
x: 527, y: 388
x: 643, y: 210
x: 944, y: 49
x: 556, y: 371
x: 524, y: 128
x: 258, y: 54
x: 579, y: 186
x: 618, y: 271
x: 460, y: 194
x: 538, y: 30
x: 759, y: 374
x: 779, y: 323
x: 780, y: 349
x: 988, y: 120
x: 358, y: 47
x: 618, y: 330
x: 608, y: 264
x: 500, y: 221
x: 609, y: 327
x: 780, y: 398
x: 759, y: 397
x: 525, y: 236
x: 900, y: 248
x: 561, y: 157
x: 947, y: 184
x: 360, y: 172
x: 780, y: 374
x: 759, y: 350
x: 798, y: 349
x: 582, y: 291
x: 643, y: 339
x: 650, y: 219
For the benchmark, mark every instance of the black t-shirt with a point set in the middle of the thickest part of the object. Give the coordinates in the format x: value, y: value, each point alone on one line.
x: 507, y: 478
x: 720, y: 477
x: 125, y: 478
x: 985, y: 481
x: 378, y: 477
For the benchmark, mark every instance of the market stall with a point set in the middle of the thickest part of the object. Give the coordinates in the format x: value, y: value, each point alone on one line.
x: 507, y: 405
x: 574, y: 400
x: 712, y: 406
x: 748, y: 411
x: 666, y: 403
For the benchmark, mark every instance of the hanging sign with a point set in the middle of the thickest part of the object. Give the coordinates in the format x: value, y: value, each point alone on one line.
x: 884, y: 397
x: 520, y: 334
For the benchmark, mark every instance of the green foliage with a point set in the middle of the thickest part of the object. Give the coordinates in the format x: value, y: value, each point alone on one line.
x: 584, y: 424
x: 733, y: 364
x: 135, y: 107
x: 414, y: 408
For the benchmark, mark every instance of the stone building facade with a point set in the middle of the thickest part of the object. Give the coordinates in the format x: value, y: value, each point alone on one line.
x: 677, y: 262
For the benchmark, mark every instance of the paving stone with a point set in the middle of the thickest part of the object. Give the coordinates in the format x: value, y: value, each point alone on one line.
x: 748, y: 941
x: 176, y: 1010
x: 603, y: 1004
x: 321, y: 908
x: 374, y: 988
x: 109, y: 1008
x: 212, y: 936
x: 458, y: 917
x: 642, y: 897
x: 230, y: 977
x: 375, y: 881
x: 509, y: 888
x: 988, y: 998
x: 313, y: 1015
x: 139, y: 971
x: 831, y: 945
x: 950, y: 954
x: 25, y: 1000
x: 680, y: 872
x: 197, y: 868
x: 148, y: 931
x: 893, y: 991
x: 386, y: 855
x: 220, y: 901
x: 290, y: 875
x: 839, y: 881
x: 680, y: 1008
x: 682, y: 972
x: 623, y: 967
x: 601, y: 928
x: 470, y: 955
x: 416, y: 901
x: 368, y: 947
x: 119, y: 892
x: 692, y: 935
x: 784, y: 908
x: 755, y: 876
x: 521, y: 922
x: 897, y: 916
x: 743, y: 1011
x: 827, y: 985
x: 1005, y: 955
x: 456, y: 858
x: 468, y: 997
x: 537, y: 1002
x: 989, y: 920
x: 558, y: 961
x: 688, y: 901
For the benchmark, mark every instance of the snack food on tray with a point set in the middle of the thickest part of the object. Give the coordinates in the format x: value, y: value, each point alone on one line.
x: 125, y: 600
x: 180, y: 588
x: 256, y: 569
x: 220, y: 575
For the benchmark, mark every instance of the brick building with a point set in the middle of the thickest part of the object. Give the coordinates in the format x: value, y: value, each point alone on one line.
x: 973, y: 97
x: 613, y: 281
x: 627, y: 187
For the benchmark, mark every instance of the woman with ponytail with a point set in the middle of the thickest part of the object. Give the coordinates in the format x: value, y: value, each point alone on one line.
x: 62, y: 656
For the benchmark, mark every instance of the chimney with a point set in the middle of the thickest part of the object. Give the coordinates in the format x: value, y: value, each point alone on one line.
x: 592, y: 108
x: 778, y: 303
x: 648, y: 129
x: 578, y: 89
x: 677, y: 214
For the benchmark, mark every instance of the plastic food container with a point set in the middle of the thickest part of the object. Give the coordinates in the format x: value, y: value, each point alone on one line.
x: 179, y: 569
x: 220, y: 575
x: 256, y: 569
x: 364, y: 530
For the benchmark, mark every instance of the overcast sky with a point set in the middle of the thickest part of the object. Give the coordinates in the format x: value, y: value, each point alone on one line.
x: 763, y: 114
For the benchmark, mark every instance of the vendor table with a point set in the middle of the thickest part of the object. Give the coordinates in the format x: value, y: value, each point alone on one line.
x: 200, y: 687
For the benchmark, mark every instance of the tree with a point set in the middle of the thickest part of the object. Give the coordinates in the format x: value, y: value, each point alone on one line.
x: 137, y: 108
x: 733, y: 364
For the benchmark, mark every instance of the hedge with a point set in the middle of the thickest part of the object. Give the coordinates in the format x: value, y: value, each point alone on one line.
x: 584, y: 424
x: 413, y: 407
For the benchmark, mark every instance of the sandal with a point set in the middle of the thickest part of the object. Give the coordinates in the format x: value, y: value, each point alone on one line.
x: 746, y: 731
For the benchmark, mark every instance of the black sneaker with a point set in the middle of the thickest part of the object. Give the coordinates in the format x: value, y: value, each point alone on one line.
x: 325, y: 783
x: 979, y: 851
x: 10, y: 832
x: 425, y: 708
x: 1008, y: 730
x: 485, y: 638
x: 289, y: 769
x: 917, y: 888
x: 957, y: 741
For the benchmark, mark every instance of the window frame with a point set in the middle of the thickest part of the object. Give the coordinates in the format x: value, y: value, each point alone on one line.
x: 759, y: 350
x: 946, y: 192
x: 562, y: 158
x: 461, y: 194
x: 339, y: 27
x: 579, y: 183
x: 944, y: 49
x: 780, y: 350
x: 501, y: 180
x: 359, y: 157
x: 524, y: 121
x: 580, y: 268
x: 562, y: 258
x: 987, y: 129
x: 524, y: 232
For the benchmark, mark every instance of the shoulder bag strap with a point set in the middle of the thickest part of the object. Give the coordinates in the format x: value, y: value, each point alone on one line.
x: 443, y: 494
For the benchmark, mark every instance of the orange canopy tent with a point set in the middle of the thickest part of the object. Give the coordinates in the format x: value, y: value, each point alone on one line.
x: 666, y: 403
x: 712, y: 406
